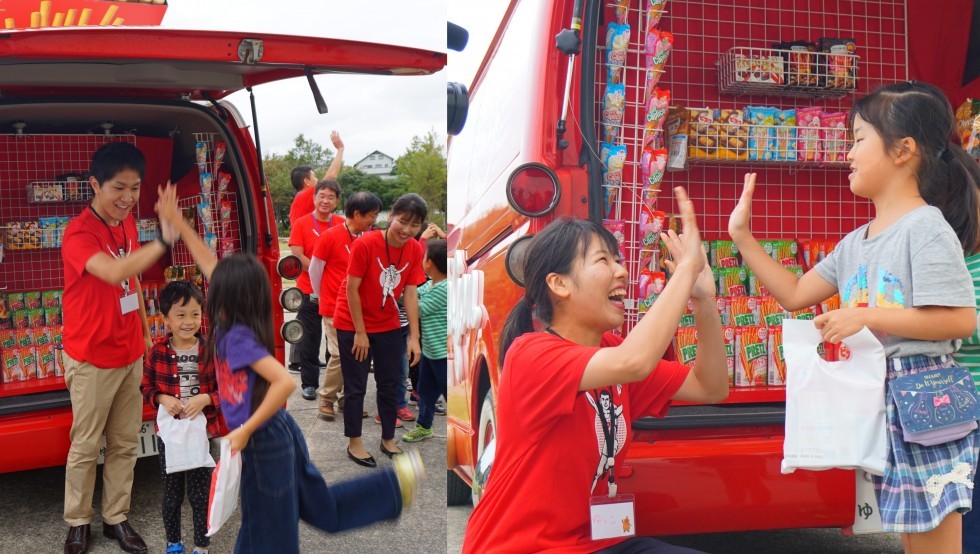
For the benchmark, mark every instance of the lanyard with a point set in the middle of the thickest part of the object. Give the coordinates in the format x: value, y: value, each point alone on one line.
x: 316, y: 223
x: 608, y: 426
x: 388, y: 252
x: 122, y: 252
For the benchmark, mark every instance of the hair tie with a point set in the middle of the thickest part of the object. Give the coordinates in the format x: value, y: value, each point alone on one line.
x: 946, y: 155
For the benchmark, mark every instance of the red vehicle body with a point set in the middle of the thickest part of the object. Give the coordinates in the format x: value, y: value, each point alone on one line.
x: 702, y: 468
x: 160, y: 87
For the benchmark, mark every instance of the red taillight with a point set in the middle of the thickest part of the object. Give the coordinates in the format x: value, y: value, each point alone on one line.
x: 290, y: 267
x: 533, y: 190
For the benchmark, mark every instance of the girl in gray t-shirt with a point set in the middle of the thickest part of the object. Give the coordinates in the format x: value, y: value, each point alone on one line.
x: 903, y: 277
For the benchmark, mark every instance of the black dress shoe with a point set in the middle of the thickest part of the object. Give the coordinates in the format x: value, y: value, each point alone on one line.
x: 128, y: 539
x: 77, y: 541
x: 366, y: 462
x: 389, y: 453
x: 309, y: 393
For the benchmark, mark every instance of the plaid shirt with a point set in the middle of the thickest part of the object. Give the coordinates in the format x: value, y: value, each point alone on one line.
x: 160, y: 376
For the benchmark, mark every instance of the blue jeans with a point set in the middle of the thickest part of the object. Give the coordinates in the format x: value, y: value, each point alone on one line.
x: 971, y: 524
x: 402, y: 401
x: 280, y: 486
x: 432, y: 383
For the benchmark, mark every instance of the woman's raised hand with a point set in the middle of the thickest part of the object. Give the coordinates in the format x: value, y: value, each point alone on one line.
x: 738, y: 222
x: 689, y: 244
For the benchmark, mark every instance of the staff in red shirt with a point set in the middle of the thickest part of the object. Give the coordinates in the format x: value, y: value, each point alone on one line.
x: 302, y: 240
x: 383, y: 265
x: 105, y: 337
x: 568, y: 394
x: 328, y: 267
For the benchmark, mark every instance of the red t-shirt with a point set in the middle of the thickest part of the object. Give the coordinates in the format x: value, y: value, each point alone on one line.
x: 333, y: 247
x: 546, y: 428
x: 302, y: 204
x: 95, y: 329
x: 304, y: 233
x: 368, y: 256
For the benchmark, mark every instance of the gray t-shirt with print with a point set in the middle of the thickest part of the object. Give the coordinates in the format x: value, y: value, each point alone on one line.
x: 917, y: 261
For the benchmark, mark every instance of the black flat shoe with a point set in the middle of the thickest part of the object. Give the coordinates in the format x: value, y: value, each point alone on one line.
x: 366, y: 462
x: 387, y: 452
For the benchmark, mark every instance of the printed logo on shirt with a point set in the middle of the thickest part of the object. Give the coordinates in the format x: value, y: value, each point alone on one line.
x: 231, y: 384
x: 607, y: 404
x: 889, y: 292
x: 389, y: 279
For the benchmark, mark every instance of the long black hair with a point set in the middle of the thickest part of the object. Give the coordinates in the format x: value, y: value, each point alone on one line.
x: 948, y: 177
x: 553, y: 250
x: 240, y: 293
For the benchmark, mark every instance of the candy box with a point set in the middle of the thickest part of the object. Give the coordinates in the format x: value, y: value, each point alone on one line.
x: 15, y: 301
x: 20, y: 319
x: 46, y: 364
x: 686, y: 345
x: 4, y: 311
x: 28, y: 361
x: 805, y: 313
x: 728, y: 332
x: 771, y: 313
x: 687, y: 318
x: 50, y: 231
x: 723, y: 253
x: 777, y: 361
x: 147, y: 229
x: 841, y: 63
x: 8, y: 339
x: 25, y: 337
x: 733, y: 136
x: 12, y: 370
x: 51, y: 298
x: 732, y: 281
x: 35, y: 318
x: 42, y: 336
x: 830, y: 304
x: 55, y: 332
x: 32, y: 300
x: 52, y: 316
x: 722, y: 304
x: 704, y: 133
x: 744, y: 311
x: 751, y: 357
x: 59, y: 361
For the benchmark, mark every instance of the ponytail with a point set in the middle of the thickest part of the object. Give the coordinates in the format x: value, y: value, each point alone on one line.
x: 952, y: 188
x: 520, y: 320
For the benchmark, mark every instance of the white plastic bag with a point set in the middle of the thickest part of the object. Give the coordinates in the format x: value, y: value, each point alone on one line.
x: 185, y: 441
x: 225, y: 483
x: 835, y: 411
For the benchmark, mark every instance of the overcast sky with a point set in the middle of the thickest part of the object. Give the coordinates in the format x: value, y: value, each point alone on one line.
x: 370, y: 112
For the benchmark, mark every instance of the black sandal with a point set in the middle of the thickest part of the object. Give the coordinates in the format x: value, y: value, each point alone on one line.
x: 387, y: 452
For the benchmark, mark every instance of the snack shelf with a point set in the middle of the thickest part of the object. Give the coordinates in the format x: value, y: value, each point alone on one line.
x: 32, y: 386
x: 59, y: 192
x: 784, y: 144
x: 767, y: 163
x: 790, y: 73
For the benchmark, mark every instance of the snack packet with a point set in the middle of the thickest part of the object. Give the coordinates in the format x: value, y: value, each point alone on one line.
x: 52, y: 316
x: 805, y: 313
x: 32, y: 300
x: 833, y: 134
x: 212, y: 241
x: 704, y: 133
x: 651, y: 285
x: 808, y: 132
x: 655, y: 10
x: 830, y: 304
x: 25, y: 337
x: 46, y: 366
x: 207, y: 182
x: 785, y: 135
x: 722, y: 305
x: 4, y: 311
x: 51, y: 298
x: 656, y: 113
x: 728, y: 332
x: 762, y: 132
x: 613, y: 107
x: 55, y: 333
x: 219, y: 153
x: 777, y: 361
x: 201, y: 149
x: 206, y: 216
x: 35, y: 318
x: 8, y: 338
x: 12, y: 370
x: 618, y: 229
x: 677, y: 132
x: 42, y: 336
x: 617, y: 40
x: 49, y: 232
x: 20, y: 319
x: 651, y: 225
x: 733, y: 134
x: 658, y: 46
x: 841, y: 62
x: 732, y: 281
x: 223, y: 180
x: 226, y: 211
x: 621, y: 9
x: 723, y: 253
x: 15, y: 301
x: 613, y: 159
x: 770, y: 312
x: 28, y: 362
x: 751, y: 359
x: 652, y: 166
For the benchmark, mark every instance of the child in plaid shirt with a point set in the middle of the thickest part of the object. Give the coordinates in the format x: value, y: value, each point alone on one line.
x: 180, y: 377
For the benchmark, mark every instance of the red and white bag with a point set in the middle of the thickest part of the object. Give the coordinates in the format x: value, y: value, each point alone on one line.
x: 225, y: 483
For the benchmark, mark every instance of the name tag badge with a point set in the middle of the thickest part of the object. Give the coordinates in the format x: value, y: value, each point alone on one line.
x: 129, y: 303
x: 612, y: 517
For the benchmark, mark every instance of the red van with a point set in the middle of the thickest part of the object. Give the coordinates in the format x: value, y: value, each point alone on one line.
x: 532, y: 151
x: 64, y: 93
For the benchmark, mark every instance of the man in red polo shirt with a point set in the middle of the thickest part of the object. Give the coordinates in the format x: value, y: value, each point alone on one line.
x: 302, y: 239
x: 328, y: 267
x: 105, y: 337
x: 304, y: 181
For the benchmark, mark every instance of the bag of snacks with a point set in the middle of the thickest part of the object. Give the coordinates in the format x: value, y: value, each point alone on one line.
x: 617, y: 41
x: 651, y: 284
x: 656, y: 114
x: 833, y: 133
x: 785, y: 135
x: 841, y: 70
x: 704, y: 135
x: 808, y: 145
x: 652, y: 166
x: 733, y: 135
x: 658, y: 46
x: 613, y: 107
x: 762, y: 132
x: 618, y: 229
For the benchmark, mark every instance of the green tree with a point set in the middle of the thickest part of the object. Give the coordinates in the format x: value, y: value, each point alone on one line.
x: 278, y: 168
x: 352, y: 179
x: 422, y: 170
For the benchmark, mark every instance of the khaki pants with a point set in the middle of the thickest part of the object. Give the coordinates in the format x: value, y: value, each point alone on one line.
x: 109, y: 401
x: 333, y: 379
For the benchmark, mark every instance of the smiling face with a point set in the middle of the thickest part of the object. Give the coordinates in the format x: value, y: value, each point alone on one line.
x: 597, y: 288
x: 117, y: 196
x: 402, y: 227
x: 184, y: 320
x: 325, y: 201
x: 871, y: 163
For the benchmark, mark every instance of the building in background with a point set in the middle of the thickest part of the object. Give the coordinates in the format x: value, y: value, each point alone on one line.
x: 377, y: 163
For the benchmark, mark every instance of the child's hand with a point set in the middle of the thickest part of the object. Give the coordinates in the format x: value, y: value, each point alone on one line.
x: 837, y: 325
x: 195, y: 405
x: 239, y: 439
x: 738, y: 222
x: 704, y: 286
x: 361, y: 346
x: 433, y: 231
x: 173, y: 404
x: 414, y: 351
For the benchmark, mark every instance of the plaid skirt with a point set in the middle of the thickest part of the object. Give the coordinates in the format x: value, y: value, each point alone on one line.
x: 922, y: 484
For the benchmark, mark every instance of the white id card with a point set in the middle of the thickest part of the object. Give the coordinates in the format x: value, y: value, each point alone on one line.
x: 612, y: 516
x: 129, y: 303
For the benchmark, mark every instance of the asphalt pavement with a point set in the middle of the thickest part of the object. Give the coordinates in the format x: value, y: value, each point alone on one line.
x: 31, y: 502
